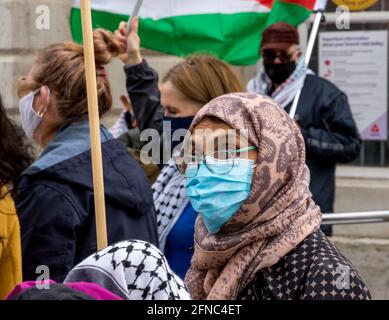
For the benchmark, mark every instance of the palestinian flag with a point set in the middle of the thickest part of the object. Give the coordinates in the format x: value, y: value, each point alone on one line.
x: 229, y: 29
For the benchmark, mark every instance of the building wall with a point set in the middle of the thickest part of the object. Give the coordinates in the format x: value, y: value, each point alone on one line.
x: 20, y: 38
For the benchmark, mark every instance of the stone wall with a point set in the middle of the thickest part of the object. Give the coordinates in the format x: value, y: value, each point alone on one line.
x: 20, y: 39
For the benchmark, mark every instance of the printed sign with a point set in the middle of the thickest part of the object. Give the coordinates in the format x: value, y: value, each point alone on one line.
x: 357, y: 62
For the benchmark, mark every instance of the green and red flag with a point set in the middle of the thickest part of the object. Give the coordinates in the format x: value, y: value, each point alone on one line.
x: 228, y: 29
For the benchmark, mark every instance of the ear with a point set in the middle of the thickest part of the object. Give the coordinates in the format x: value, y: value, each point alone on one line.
x: 45, y: 94
x: 42, y: 100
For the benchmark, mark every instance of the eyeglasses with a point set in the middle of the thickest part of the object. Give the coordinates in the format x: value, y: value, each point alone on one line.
x: 270, y: 55
x: 218, y: 162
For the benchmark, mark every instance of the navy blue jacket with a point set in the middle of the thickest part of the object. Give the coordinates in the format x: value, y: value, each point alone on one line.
x: 55, y: 202
x: 330, y: 133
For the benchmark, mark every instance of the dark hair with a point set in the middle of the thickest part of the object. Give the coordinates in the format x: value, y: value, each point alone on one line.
x: 15, y: 153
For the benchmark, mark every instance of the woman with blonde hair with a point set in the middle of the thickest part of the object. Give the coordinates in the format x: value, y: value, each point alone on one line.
x: 55, y: 199
x: 182, y: 92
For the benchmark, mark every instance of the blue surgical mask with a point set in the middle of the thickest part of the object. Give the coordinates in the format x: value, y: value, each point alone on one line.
x: 217, y: 197
x: 29, y: 117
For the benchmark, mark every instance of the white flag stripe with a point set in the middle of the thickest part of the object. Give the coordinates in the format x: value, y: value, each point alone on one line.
x: 320, y: 5
x: 159, y: 9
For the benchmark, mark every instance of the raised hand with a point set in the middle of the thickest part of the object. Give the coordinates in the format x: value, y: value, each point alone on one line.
x: 130, y: 43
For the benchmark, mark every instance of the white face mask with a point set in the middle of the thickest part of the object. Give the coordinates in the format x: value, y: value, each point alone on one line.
x: 29, y: 117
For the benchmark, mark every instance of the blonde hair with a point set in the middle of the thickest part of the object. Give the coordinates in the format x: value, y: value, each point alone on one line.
x: 61, y: 67
x: 202, y: 78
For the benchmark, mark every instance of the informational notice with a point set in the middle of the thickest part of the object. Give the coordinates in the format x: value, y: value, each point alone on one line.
x: 357, y: 62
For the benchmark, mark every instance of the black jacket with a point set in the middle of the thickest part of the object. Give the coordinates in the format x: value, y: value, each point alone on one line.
x: 55, y: 202
x: 314, y: 270
x: 142, y: 88
x: 330, y: 134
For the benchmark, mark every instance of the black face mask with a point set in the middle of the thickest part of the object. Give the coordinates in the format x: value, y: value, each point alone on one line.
x: 279, y: 72
x: 176, y: 124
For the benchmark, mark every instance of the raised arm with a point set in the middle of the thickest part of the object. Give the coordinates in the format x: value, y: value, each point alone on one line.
x: 141, y: 79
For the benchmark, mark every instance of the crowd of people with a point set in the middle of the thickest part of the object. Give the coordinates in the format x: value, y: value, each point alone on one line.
x: 225, y: 217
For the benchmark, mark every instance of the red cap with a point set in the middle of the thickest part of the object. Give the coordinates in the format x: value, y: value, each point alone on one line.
x: 279, y: 36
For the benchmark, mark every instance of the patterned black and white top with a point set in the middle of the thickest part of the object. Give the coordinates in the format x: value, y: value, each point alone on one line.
x: 170, y: 200
x: 315, y: 270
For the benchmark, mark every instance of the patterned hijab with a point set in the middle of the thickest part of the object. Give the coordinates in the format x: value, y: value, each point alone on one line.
x: 279, y: 212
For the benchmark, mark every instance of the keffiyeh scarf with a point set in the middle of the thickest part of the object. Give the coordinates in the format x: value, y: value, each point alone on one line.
x: 170, y: 199
x: 286, y: 92
x: 133, y: 270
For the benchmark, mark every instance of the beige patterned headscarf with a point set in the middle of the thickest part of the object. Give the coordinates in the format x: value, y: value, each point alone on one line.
x: 279, y: 212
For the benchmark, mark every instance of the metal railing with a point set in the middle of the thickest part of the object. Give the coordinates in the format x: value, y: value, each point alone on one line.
x: 355, y: 217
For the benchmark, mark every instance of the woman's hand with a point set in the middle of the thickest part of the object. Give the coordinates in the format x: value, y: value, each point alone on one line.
x: 129, y: 113
x: 130, y: 43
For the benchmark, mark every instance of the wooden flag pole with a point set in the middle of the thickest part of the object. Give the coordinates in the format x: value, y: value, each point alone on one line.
x: 94, y: 124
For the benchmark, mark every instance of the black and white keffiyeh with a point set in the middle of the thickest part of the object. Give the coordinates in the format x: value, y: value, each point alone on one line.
x: 170, y: 199
x: 119, y: 127
x: 286, y: 92
x: 134, y: 270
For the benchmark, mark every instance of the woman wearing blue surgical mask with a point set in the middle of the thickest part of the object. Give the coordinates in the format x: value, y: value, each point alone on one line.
x: 54, y: 197
x: 182, y: 92
x: 257, y: 234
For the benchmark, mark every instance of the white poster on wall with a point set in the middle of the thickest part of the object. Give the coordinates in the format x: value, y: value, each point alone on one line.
x: 357, y: 62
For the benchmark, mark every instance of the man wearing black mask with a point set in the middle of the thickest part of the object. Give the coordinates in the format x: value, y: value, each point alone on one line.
x: 323, y: 112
